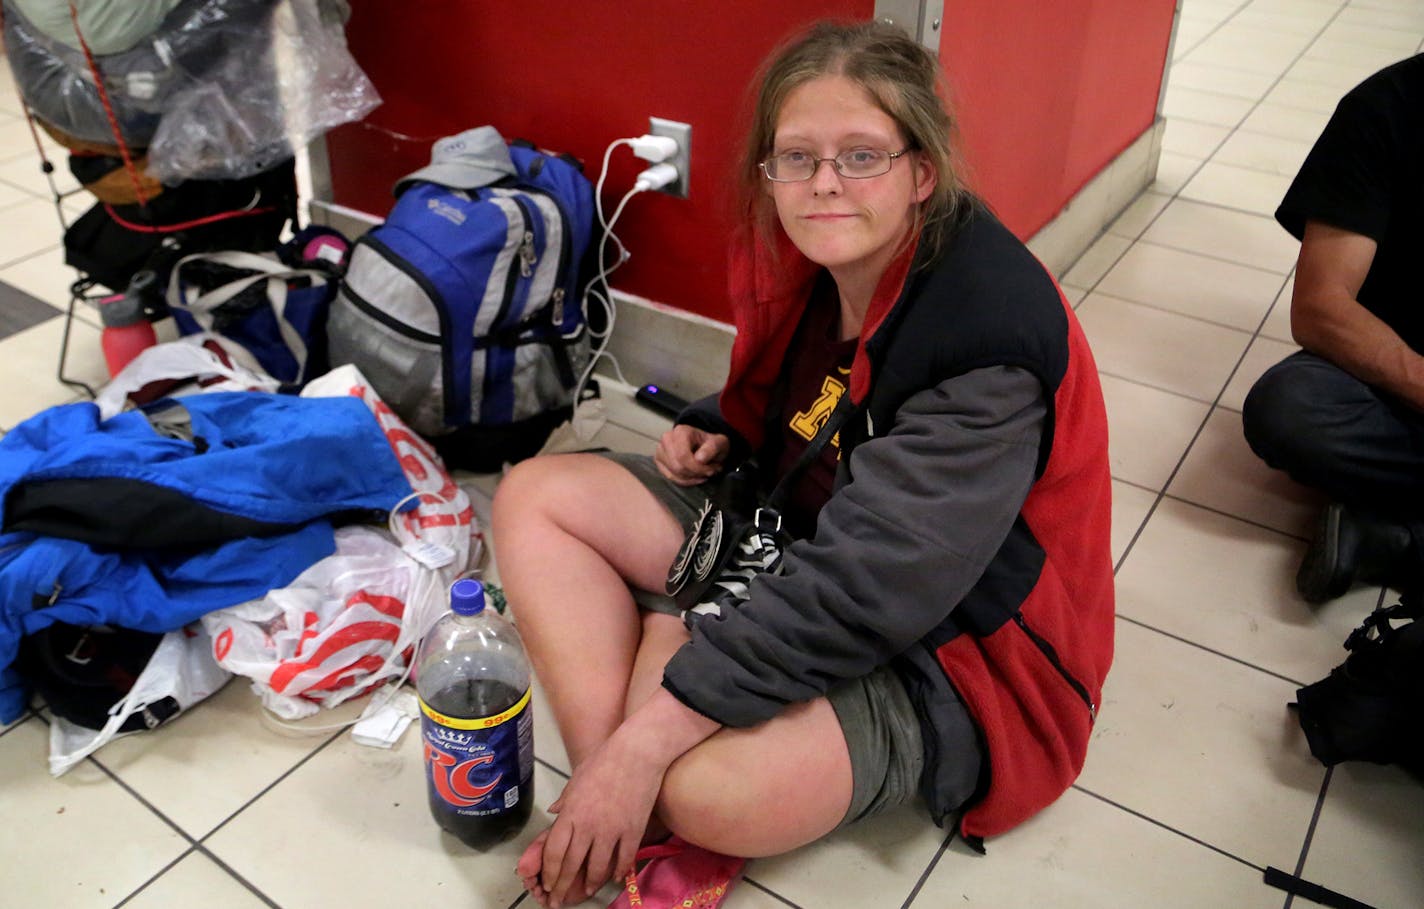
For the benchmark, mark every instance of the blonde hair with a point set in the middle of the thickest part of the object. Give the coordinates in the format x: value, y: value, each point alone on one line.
x: 903, y: 79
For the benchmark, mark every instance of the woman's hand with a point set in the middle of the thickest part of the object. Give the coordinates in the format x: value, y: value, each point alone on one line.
x: 688, y: 456
x: 601, y: 816
x: 603, y: 812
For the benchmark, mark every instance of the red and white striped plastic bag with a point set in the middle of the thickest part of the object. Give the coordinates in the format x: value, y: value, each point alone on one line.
x: 350, y: 622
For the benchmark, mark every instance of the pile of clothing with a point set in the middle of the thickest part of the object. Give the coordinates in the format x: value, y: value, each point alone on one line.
x: 229, y: 507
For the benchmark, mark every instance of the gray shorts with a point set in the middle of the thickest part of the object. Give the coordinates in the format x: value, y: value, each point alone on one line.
x: 878, y: 720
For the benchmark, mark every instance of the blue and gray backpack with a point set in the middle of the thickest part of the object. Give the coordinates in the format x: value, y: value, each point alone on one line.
x: 463, y: 308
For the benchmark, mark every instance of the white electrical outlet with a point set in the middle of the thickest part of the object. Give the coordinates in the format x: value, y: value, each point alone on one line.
x: 682, y: 132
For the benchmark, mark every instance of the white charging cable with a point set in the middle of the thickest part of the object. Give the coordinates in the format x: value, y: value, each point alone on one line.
x: 650, y: 148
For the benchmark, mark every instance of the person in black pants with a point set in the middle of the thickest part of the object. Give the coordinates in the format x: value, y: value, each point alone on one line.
x: 1346, y: 414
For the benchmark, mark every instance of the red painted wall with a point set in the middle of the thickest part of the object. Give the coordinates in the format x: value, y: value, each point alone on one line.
x: 1049, y: 93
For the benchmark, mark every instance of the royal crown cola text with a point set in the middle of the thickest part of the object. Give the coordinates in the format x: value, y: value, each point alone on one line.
x: 476, y: 721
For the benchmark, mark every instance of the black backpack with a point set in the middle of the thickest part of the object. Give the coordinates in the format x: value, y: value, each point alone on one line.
x: 1369, y: 708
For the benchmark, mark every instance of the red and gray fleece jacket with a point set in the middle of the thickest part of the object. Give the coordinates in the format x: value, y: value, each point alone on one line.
x: 918, y: 560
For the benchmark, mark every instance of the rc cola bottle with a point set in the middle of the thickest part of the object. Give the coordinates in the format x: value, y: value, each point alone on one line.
x: 476, y: 721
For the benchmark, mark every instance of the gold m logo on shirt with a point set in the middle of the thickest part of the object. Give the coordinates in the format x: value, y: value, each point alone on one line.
x: 805, y: 423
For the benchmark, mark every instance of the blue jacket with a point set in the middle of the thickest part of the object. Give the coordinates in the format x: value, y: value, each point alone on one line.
x: 155, y: 517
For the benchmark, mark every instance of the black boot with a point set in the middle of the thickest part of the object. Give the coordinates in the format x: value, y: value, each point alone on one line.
x: 1349, y: 547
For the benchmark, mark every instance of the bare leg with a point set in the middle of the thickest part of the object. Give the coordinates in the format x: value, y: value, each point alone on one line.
x: 571, y: 533
x: 763, y: 790
x: 758, y: 791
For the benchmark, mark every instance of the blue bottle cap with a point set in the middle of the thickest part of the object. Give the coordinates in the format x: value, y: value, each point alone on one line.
x: 467, y: 597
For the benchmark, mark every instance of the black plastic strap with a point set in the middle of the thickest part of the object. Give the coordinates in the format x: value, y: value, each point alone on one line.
x: 1275, y: 877
x: 813, y: 450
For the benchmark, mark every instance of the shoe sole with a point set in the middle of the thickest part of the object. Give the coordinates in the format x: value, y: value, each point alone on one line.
x: 1319, y: 578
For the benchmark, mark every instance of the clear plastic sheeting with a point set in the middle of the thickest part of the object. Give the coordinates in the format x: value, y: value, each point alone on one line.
x: 223, y: 89
x: 270, y: 93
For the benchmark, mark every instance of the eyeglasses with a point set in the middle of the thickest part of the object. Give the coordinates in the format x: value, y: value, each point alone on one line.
x: 856, y: 164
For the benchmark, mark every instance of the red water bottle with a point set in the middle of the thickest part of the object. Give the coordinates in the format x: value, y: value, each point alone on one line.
x: 127, y: 331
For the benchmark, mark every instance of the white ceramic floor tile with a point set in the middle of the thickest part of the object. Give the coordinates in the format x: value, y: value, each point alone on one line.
x: 1205, y: 746
x: 1204, y: 107
x: 1130, y: 505
x: 1354, y: 54
x: 1204, y: 287
x: 1148, y: 430
x: 1277, y: 324
x: 1237, y: 187
x: 27, y: 228
x: 1264, y: 53
x: 1222, y: 473
x: 380, y: 848
x: 10, y: 103
x: 1263, y: 353
x: 1408, y: 19
x: 28, y: 361
x: 1309, y: 96
x: 1368, y: 840
x: 196, y: 874
x: 1193, y: 139
x: 1057, y: 859
x: 1256, y: 151
x: 1339, y: 76
x: 1074, y: 295
x: 1189, y: 33
x: 76, y: 841
x: 1196, y: 72
x: 26, y: 173
x: 1216, y: 10
x: 1224, y: 233
x: 1173, y: 172
x: 1403, y: 41
x: 46, y: 277
x: 1158, y: 348
x: 11, y: 195
x: 1292, y: 21
x: 16, y: 141
x: 1230, y: 586
x: 227, y: 737
x: 1135, y: 218
x: 1287, y: 122
x: 1095, y: 262
x: 874, y: 863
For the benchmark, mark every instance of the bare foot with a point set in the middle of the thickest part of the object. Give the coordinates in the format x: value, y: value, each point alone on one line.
x: 531, y: 863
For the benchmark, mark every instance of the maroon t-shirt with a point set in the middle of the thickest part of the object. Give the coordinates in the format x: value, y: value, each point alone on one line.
x: 818, y: 372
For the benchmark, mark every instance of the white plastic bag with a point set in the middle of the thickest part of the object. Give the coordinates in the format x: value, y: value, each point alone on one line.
x: 351, y: 621
x: 197, y: 363
x: 181, y: 668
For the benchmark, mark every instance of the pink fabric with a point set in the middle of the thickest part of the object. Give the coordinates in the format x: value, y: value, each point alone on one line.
x: 679, y: 874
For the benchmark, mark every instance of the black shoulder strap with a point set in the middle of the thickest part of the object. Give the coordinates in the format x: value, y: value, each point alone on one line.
x: 812, y: 451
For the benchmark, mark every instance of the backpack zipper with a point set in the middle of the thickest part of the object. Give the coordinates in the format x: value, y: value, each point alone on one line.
x: 1051, y: 654
x: 566, y: 249
x: 521, y: 267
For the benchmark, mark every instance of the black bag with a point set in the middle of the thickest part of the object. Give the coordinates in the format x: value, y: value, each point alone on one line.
x: 734, y: 538
x: 111, y: 243
x: 82, y: 672
x: 1371, y: 707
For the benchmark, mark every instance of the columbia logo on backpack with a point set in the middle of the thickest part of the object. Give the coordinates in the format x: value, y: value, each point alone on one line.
x: 462, y: 309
